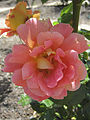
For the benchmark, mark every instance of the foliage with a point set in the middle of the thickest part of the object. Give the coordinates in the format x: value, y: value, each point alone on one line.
x: 64, y: 0
x: 66, y: 14
x: 43, y: 1
x: 24, y: 100
x: 86, y: 33
x: 66, y: 9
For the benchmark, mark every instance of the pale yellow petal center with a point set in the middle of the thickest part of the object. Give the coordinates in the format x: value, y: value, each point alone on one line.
x: 43, y: 63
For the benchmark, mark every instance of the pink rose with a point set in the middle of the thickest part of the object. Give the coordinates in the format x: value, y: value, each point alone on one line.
x: 48, y: 64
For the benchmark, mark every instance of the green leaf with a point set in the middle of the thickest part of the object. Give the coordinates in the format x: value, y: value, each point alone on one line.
x: 86, y: 33
x: 57, y: 114
x: 33, y: 119
x: 44, y: 1
x: 38, y: 107
x: 67, y: 9
x: 66, y: 18
x: 55, y: 22
x: 62, y: 112
x: 86, y: 80
x: 48, y: 115
x: 73, y: 98
x: 25, y: 100
x: 87, y: 111
x: 85, y: 55
x: 47, y: 102
x: 66, y: 14
x: 88, y: 63
x: 77, y: 97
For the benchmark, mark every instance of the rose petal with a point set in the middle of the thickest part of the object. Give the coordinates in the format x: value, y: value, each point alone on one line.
x: 35, y: 97
x: 75, y: 42
x: 49, y: 91
x: 20, y: 54
x: 55, y: 76
x: 10, y: 67
x: 36, y: 51
x: 28, y: 70
x: 55, y: 37
x: 80, y: 70
x: 48, y: 44
x: 43, y: 63
x: 64, y: 29
x: 68, y: 76
x: 61, y: 95
x: 60, y: 52
x: 73, y: 86
x: 32, y: 82
x: 17, y: 78
x: 20, y: 49
x: 71, y: 57
x: 38, y: 92
x: 33, y: 27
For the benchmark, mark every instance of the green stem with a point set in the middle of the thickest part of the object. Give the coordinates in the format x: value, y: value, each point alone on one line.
x: 76, y: 12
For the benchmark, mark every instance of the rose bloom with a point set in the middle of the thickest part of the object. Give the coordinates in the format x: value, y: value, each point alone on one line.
x: 16, y: 16
x: 47, y: 65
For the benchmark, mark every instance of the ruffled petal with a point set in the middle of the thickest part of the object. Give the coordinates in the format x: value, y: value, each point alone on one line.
x: 80, y: 74
x: 49, y: 86
x: 10, y: 67
x: 73, y: 86
x: 35, y: 97
x: 55, y: 37
x: 49, y: 91
x: 6, y: 60
x: 36, y: 51
x: 33, y: 85
x: 17, y: 78
x: 58, y: 57
x: 75, y: 42
x: 70, y: 58
x: 38, y: 92
x: 61, y: 95
x: 32, y: 82
x: 48, y: 44
x: 60, y: 52
x: 20, y: 54
x: 55, y: 76
x: 80, y: 70
x: 20, y: 49
x: 29, y: 31
x: 69, y: 75
x: 28, y: 70
x: 17, y: 58
x: 64, y: 29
